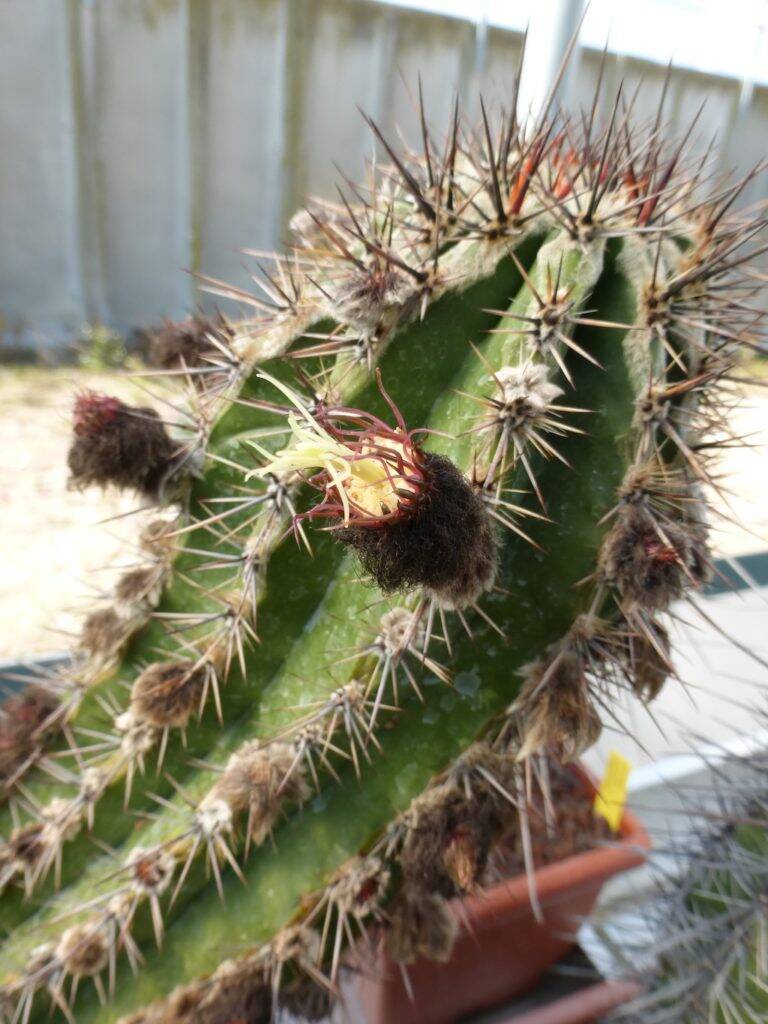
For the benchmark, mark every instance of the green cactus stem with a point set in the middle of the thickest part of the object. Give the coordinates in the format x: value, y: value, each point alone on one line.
x: 420, y: 518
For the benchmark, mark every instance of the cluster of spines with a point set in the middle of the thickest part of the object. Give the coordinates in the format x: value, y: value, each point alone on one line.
x: 372, y: 285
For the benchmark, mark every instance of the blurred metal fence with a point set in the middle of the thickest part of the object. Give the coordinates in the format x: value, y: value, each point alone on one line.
x: 140, y: 137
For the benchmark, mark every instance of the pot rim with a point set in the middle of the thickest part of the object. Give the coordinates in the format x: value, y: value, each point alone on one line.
x: 579, y: 1007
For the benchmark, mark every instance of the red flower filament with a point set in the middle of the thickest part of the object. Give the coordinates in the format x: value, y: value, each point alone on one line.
x: 372, y: 474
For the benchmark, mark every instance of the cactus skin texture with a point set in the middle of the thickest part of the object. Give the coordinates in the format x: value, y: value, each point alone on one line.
x: 559, y: 310
x: 709, y: 920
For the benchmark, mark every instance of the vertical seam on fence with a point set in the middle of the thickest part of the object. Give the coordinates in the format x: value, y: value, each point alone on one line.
x: 472, y: 62
x: 381, y: 63
x: 741, y: 102
x: 89, y: 241
x: 198, y: 74
x: 97, y: 203
x: 296, y: 51
x: 385, y: 67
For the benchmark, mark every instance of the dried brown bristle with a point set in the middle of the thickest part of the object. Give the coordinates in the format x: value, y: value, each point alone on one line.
x: 167, y: 693
x: 118, y: 444
x: 23, y: 720
x: 420, y: 925
x: 102, y: 632
x: 184, y: 344
x: 650, y: 660
x: 555, y: 707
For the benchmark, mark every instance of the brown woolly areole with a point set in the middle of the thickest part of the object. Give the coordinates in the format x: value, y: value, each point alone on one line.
x: 649, y: 657
x: 446, y: 836
x: 420, y: 924
x: 150, y: 870
x: 555, y: 708
x: 103, y: 631
x: 261, y: 779
x: 653, y: 561
x: 141, y: 587
x: 167, y: 693
x: 158, y: 537
x: 372, y: 298
x: 83, y: 951
x: 26, y: 846
x: 119, y: 444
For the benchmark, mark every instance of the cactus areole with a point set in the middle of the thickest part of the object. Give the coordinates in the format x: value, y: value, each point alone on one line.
x: 412, y: 517
x: 421, y: 508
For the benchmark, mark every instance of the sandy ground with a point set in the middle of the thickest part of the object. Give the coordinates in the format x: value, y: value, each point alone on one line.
x: 54, y: 558
x: 52, y: 553
x: 745, y: 477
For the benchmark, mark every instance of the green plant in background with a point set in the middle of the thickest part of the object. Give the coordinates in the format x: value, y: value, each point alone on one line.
x: 101, y: 348
x: 419, y: 519
x: 709, y: 921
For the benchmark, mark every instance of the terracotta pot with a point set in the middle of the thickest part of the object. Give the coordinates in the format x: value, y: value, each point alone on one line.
x: 502, y: 950
x: 583, y: 1007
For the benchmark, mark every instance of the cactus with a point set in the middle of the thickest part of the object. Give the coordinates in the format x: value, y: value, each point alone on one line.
x: 708, y: 917
x: 420, y: 516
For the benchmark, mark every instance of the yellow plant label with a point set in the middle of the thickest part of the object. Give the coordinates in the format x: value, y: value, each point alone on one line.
x: 612, y: 795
